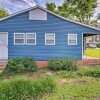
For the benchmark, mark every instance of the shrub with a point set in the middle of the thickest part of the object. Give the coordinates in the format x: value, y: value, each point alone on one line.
x: 25, y: 89
x: 98, y: 45
x: 29, y: 64
x: 93, y: 72
x: 62, y: 64
x: 15, y: 65
x: 18, y: 65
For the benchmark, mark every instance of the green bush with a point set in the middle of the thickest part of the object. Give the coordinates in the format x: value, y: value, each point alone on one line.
x: 63, y: 64
x: 15, y: 65
x: 93, y: 72
x: 98, y: 44
x: 25, y: 89
x: 18, y: 65
x: 29, y: 64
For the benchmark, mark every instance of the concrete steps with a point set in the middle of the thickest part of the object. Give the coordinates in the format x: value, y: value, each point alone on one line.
x: 2, y: 66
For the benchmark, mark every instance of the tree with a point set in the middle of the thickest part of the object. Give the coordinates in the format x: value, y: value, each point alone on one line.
x: 51, y: 6
x: 79, y: 10
x: 3, y: 13
x: 84, y: 9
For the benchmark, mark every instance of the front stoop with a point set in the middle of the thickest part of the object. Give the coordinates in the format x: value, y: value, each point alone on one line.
x: 89, y: 62
x: 3, y: 66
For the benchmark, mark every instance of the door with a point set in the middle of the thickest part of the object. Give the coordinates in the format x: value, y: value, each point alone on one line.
x: 3, y: 46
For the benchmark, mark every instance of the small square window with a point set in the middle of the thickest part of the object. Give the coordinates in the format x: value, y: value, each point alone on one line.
x: 31, y: 39
x: 49, y: 39
x: 19, y: 38
x: 72, y: 39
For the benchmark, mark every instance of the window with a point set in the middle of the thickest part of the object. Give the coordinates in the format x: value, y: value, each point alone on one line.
x: 72, y: 39
x: 30, y: 38
x: 19, y: 39
x: 50, y: 39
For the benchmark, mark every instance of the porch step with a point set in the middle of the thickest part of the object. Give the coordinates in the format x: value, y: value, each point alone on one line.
x: 1, y: 71
x: 2, y: 66
x: 3, y: 63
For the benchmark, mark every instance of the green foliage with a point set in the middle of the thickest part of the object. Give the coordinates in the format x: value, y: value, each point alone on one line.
x: 67, y: 74
x: 98, y: 45
x: 25, y: 89
x: 3, y: 13
x: 62, y: 64
x: 84, y: 9
x: 15, y: 65
x: 79, y: 10
x: 76, y: 89
x: 88, y: 72
x: 18, y: 65
x: 29, y: 64
x: 50, y: 6
x: 93, y: 72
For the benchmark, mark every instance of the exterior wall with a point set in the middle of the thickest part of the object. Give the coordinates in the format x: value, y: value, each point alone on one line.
x: 40, y: 51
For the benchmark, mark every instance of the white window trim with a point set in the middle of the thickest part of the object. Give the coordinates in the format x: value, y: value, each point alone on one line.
x: 49, y: 34
x: 19, y: 43
x: 68, y: 39
x: 30, y: 38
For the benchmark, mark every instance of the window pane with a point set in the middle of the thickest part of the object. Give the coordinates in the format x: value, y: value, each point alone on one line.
x: 19, y: 41
x: 19, y: 35
x: 50, y: 41
x: 30, y: 35
x: 72, y: 37
x: 49, y: 36
x: 31, y: 41
x: 72, y: 41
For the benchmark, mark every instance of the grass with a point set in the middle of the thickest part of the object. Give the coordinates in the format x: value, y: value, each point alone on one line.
x: 93, y: 53
x: 70, y: 86
x: 76, y: 89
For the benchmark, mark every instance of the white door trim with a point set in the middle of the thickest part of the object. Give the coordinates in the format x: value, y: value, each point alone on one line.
x: 7, y: 43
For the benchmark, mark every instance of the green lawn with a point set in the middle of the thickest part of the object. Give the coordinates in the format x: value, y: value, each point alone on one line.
x: 93, y: 52
x: 70, y: 86
x: 76, y: 89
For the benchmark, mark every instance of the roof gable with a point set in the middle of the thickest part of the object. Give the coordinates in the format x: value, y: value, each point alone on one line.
x: 66, y: 19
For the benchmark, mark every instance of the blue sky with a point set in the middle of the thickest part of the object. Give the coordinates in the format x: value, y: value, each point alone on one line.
x: 16, y: 5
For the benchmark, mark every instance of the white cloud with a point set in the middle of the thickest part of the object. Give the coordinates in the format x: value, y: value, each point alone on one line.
x: 30, y: 2
x: 16, y: 5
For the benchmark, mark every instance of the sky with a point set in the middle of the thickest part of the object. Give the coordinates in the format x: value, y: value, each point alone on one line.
x: 17, y: 5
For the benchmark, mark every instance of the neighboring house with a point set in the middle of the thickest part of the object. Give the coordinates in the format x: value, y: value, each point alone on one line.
x: 39, y: 33
x: 93, y: 39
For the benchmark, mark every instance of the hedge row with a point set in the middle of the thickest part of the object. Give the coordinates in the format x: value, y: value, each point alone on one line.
x: 27, y: 64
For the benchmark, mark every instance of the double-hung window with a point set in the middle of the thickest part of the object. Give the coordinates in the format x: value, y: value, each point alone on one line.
x: 49, y: 39
x: 72, y: 39
x: 30, y: 38
x: 19, y: 38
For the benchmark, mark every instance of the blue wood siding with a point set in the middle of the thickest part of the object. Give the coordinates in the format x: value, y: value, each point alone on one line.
x: 40, y: 51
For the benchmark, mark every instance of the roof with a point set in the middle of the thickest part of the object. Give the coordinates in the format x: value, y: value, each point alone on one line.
x: 32, y: 8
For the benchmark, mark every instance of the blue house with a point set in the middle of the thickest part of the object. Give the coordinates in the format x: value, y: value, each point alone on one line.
x: 39, y: 33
